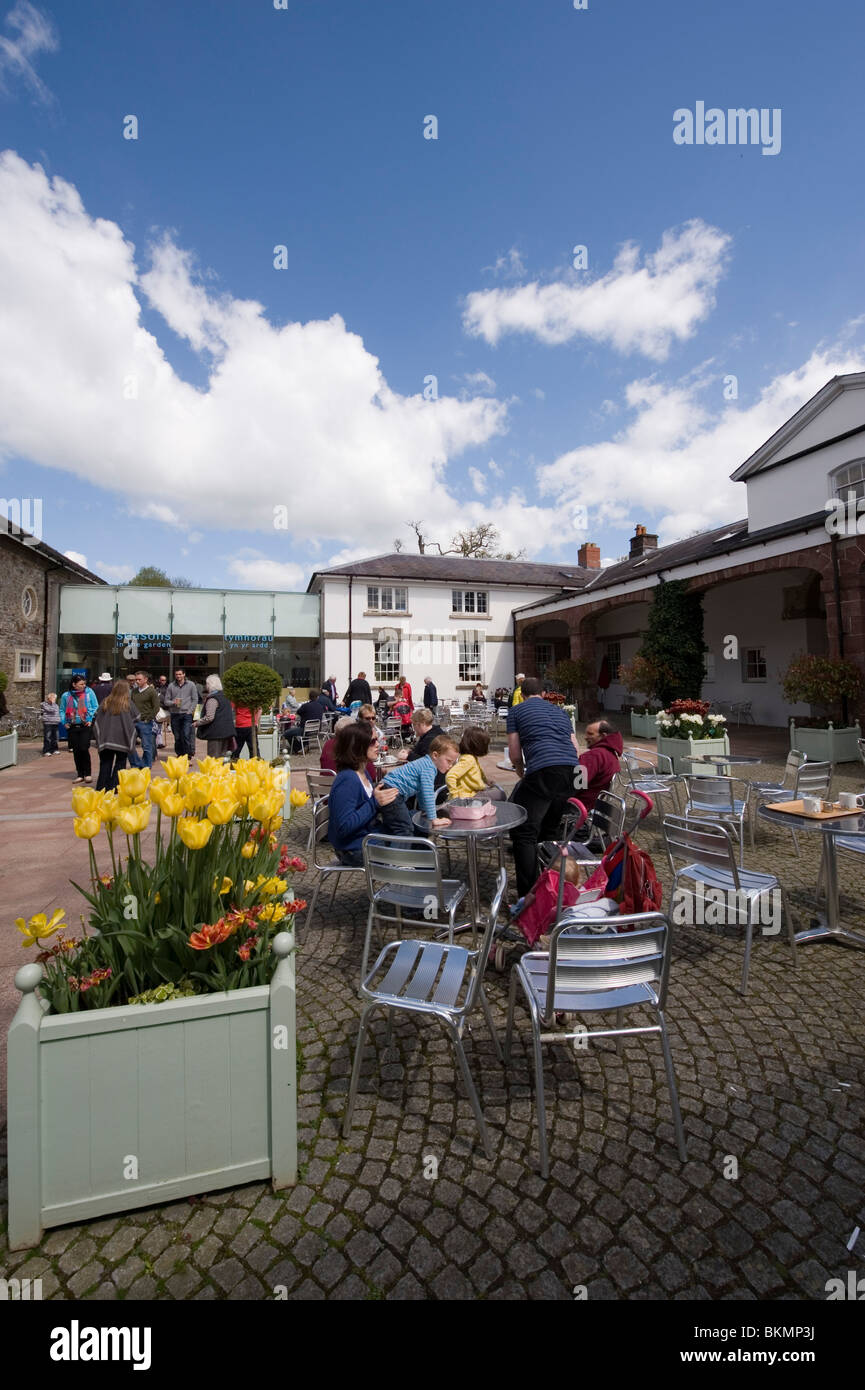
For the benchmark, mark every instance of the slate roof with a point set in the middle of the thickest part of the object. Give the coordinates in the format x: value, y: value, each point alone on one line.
x: 460, y: 570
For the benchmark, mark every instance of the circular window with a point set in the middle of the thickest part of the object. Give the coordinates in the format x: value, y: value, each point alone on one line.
x: 29, y: 602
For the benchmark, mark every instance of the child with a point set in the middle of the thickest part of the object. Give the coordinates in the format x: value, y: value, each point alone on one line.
x: 417, y: 778
x: 49, y: 712
x: 536, y: 912
x: 466, y: 777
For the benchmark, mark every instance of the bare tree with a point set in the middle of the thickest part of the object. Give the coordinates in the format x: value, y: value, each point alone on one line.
x: 478, y: 542
x: 397, y: 545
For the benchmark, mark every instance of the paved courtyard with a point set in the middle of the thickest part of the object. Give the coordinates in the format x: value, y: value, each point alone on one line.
x: 771, y: 1089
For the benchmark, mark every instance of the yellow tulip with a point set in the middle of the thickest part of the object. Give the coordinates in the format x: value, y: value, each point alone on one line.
x: 194, y: 833
x: 249, y: 849
x: 249, y: 886
x: 271, y: 887
x: 264, y: 805
x: 162, y: 788
x: 198, y: 792
x: 226, y: 887
x: 210, y: 766
x: 177, y: 767
x: 133, y: 819
x: 274, y: 912
x: 85, y: 800
x: 108, y: 809
x: 244, y: 786
x: 273, y: 826
x: 173, y: 805
x: 221, y: 811
x: 297, y: 797
x: 39, y: 927
x: 86, y: 827
x: 133, y: 782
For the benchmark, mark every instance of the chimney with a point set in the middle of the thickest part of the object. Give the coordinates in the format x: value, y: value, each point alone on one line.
x: 589, y: 556
x: 641, y: 542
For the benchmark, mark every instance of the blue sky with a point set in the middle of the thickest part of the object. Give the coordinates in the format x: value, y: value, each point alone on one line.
x: 163, y: 387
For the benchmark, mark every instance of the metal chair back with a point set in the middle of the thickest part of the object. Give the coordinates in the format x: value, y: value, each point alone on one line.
x: 402, y: 861
x: 711, y: 794
x: 707, y: 842
x: 320, y: 824
x: 607, y: 818
x: 813, y: 779
x: 795, y: 760
x: 585, y: 961
x: 319, y: 782
x: 861, y: 745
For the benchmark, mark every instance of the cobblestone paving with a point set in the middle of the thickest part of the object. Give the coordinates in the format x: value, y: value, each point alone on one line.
x: 774, y: 1081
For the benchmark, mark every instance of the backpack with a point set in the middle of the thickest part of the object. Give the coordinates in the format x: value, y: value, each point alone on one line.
x: 631, y: 878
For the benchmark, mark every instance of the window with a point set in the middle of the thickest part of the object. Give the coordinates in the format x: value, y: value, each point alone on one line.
x: 29, y: 602
x: 754, y: 664
x: 543, y: 657
x: 27, y: 666
x: 469, y: 601
x: 614, y: 660
x: 708, y: 666
x: 470, y: 657
x: 386, y: 599
x: 850, y: 478
x: 387, y: 655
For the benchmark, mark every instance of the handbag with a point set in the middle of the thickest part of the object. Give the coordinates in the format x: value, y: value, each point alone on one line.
x: 162, y: 715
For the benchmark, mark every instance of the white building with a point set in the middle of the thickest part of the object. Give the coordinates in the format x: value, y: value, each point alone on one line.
x: 442, y: 616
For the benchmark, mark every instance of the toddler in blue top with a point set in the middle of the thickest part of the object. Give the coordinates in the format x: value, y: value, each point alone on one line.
x: 418, y: 779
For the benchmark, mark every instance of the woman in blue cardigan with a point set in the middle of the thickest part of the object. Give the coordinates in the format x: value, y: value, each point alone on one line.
x: 353, y: 802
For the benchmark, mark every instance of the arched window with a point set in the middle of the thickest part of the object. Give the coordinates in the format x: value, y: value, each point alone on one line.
x: 850, y: 478
x: 387, y: 654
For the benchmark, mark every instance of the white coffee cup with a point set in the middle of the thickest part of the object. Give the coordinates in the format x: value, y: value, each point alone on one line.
x: 812, y: 805
x: 848, y: 801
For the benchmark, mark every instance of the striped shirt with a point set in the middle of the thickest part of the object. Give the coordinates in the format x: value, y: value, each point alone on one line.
x: 416, y: 779
x: 545, y: 734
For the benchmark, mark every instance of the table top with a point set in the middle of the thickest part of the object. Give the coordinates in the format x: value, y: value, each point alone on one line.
x: 740, y: 759
x: 838, y: 825
x: 506, y: 817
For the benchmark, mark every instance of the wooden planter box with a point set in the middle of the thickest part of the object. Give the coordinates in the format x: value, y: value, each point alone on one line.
x: 643, y: 725
x: 9, y: 749
x: 681, y: 748
x: 122, y: 1107
x: 827, y: 745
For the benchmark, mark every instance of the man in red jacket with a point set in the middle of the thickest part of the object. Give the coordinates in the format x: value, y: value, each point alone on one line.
x: 601, y: 760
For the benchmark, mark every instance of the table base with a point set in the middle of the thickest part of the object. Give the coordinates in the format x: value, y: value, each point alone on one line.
x: 821, y: 931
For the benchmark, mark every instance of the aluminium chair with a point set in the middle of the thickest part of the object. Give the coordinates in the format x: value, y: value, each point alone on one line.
x: 324, y: 867
x: 657, y: 779
x: 761, y: 792
x: 591, y: 969
x: 433, y: 980
x: 716, y: 798
x: 318, y: 784
x: 704, y: 850
x: 403, y: 873
x: 812, y: 779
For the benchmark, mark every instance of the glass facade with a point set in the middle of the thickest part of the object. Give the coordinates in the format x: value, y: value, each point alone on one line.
x: 206, y: 631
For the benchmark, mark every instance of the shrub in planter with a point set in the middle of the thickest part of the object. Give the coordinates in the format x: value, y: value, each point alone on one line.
x: 647, y: 676
x: 254, y: 685
x: 825, y: 681
x: 690, y: 719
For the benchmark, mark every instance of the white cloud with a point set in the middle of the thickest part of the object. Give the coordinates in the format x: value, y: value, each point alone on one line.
x: 477, y: 384
x: 633, y: 308
x: 36, y: 34
x: 293, y: 413
x: 479, y: 482
x: 541, y: 395
x: 120, y: 574
x: 253, y: 570
x: 508, y: 267
x: 673, y: 461
x: 495, y: 469
x: 77, y: 557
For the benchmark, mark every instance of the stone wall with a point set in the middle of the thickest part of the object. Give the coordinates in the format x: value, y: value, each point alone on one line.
x: 21, y: 568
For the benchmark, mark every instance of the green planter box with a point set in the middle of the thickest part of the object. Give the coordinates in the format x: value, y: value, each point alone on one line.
x: 643, y: 725
x: 681, y: 748
x: 9, y: 749
x: 117, y: 1108
x: 827, y: 745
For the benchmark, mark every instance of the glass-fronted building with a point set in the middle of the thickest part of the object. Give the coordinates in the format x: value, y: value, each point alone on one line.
x: 126, y: 629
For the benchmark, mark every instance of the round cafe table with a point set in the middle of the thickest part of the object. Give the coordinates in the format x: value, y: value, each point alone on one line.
x: 828, y: 925
x: 507, y: 816
x: 726, y: 759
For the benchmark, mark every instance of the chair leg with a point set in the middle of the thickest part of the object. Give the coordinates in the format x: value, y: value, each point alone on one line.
x: 389, y: 1033
x: 364, y: 964
x: 355, y: 1071
x: 791, y: 929
x: 336, y: 879
x: 509, y: 1027
x: 540, y: 1105
x: 311, y: 913
x: 492, y: 1027
x: 749, y: 932
x: 470, y: 1087
x: 674, y: 1094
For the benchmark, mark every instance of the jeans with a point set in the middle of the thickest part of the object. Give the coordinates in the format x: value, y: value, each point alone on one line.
x: 545, y: 795
x: 243, y: 736
x: 49, y: 738
x: 352, y: 857
x: 184, y: 742
x: 110, y: 763
x: 144, y: 729
x: 79, y: 741
x: 395, y: 818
